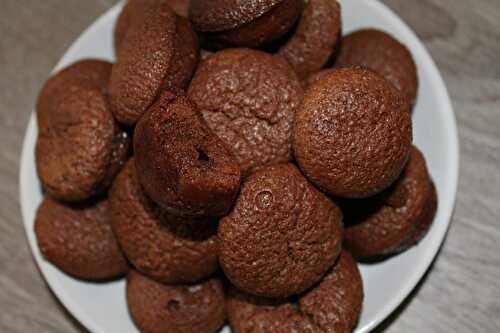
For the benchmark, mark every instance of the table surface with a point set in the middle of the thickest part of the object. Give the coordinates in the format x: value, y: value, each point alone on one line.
x: 460, y: 293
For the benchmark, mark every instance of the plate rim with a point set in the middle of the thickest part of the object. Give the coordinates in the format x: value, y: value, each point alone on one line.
x: 449, y: 118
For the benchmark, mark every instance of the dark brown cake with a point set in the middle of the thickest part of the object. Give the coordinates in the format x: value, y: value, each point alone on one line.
x: 167, y: 248
x: 247, y: 23
x: 312, y: 44
x: 78, y: 240
x: 181, y: 164
x: 50, y: 108
x: 282, y: 236
x: 135, y: 10
x: 93, y: 70
x: 248, y: 98
x: 395, y: 219
x: 353, y: 133
x: 333, y: 305
x: 75, y: 142
x: 380, y: 52
x: 158, y: 308
x: 159, y: 51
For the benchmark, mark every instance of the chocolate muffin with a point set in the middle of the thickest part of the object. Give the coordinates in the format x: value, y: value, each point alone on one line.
x: 75, y: 142
x: 244, y: 23
x: 282, y: 235
x: 181, y: 164
x: 167, y: 248
x: 93, y: 70
x: 313, y: 42
x: 333, y: 305
x: 158, y: 308
x: 53, y: 119
x: 383, y: 54
x: 78, y: 239
x: 158, y: 52
x: 395, y: 219
x: 353, y: 133
x: 135, y: 9
x: 248, y: 98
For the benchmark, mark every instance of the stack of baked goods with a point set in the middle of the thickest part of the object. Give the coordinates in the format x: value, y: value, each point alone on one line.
x: 235, y: 163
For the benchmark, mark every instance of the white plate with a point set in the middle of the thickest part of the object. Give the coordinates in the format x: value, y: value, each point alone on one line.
x: 102, y: 307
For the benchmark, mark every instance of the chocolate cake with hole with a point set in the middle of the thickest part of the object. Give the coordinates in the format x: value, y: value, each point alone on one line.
x: 181, y: 164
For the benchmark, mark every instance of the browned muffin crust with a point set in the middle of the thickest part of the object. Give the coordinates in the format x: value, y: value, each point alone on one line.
x: 78, y: 239
x: 248, y: 98
x: 75, y: 142
x: 182, y: 165
x: 353, y: 133
x: 395, y: 219
x: 93, y: 70
x: 244, y: 23
x: 144, y: 63
x: 167, y: 248
x: 219, y: 15
x: 264, y: 29
x: 333, y: 305
x: 383, y: 54
x: 135, y: 10
x: 313, y: 43
x: 280, y: 226
x: 186, y: 47
x: 158, y: 308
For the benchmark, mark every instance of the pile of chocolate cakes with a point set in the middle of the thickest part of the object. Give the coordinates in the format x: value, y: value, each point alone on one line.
x: 234, y: 164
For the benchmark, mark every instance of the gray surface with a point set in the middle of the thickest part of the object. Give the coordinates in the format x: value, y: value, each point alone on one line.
x: 461, y: 293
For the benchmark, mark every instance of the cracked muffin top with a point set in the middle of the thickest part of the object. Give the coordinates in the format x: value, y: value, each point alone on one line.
x: 353, y: 133
x: 282, y: 235
x: 248, y: 98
